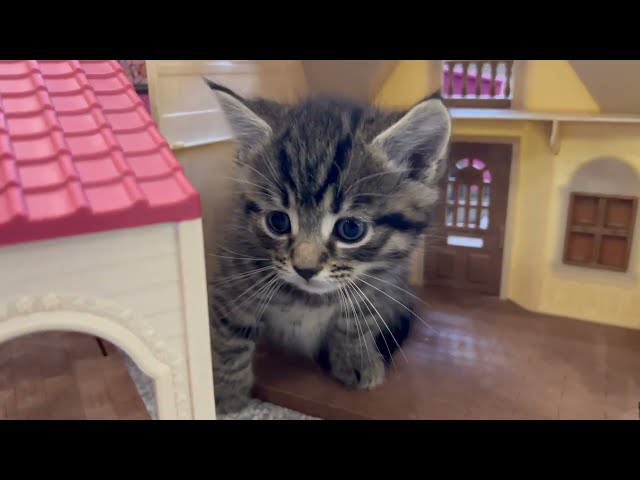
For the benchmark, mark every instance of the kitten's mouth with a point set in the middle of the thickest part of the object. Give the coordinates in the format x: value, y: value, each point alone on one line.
x: 318, y: 287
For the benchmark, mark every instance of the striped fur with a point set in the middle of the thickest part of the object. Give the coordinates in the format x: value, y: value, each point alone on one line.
x: 321, y: 160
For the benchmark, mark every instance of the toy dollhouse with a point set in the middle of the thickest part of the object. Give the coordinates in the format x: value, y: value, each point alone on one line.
x: 541, y: 199
x: 100, y: 230
x: 541, y: 131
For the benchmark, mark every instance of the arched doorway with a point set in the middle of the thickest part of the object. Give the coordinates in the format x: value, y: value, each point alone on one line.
x: 69, y: 376
x: 103, y: 319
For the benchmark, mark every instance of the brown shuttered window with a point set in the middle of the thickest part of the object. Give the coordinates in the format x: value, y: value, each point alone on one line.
x: 600, y: 231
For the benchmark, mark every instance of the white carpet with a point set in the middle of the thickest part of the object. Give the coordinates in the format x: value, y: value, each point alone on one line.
x: 256, y: 410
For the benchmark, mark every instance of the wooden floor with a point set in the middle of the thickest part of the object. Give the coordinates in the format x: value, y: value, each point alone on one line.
x: 488, y: 360
x: 65, y: 376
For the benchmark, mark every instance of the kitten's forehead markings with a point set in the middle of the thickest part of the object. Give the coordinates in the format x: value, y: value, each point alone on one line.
x: 291, y: 196
x: 328, y: 219
x: 326, y: 225
x: 294, y: 219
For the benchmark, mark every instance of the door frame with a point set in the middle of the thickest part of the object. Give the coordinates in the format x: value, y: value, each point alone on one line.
x: 514, y: 174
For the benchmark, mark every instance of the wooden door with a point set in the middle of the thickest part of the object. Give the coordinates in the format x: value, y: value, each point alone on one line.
x: 467, y: 241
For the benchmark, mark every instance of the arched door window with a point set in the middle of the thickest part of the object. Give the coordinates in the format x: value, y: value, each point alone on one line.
x: 469, y: 195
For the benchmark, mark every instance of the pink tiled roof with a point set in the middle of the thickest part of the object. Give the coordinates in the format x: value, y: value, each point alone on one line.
x: 79, y: 153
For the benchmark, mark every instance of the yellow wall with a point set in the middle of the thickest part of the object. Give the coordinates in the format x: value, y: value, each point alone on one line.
x: 553, y: 86
x: 409, y: 82
x: 600, y: 296
x: 535, y: 276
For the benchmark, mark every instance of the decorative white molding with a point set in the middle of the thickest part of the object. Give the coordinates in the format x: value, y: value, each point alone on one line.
x: 51, y: 303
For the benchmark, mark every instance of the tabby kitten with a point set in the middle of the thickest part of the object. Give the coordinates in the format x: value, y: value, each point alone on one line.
x: 331, y: 200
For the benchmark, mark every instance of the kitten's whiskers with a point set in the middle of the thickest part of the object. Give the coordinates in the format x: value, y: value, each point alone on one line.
x: 399, y: 288
x: 232, y: 278
x: 379, y: 174
x: 247, y: 182
x: 355, y: 288
x: 367, y: 323
x: 262, y: 175
x: 382, y: 319
x: 399, y: 303
x: 363, y: 338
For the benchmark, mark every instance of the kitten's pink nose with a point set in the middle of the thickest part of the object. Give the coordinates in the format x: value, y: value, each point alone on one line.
x: 307, y: 259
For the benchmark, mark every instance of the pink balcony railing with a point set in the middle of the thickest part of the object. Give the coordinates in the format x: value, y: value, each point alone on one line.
x: 477, y: 83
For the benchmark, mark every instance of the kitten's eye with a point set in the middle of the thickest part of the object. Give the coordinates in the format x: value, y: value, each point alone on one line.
x: 350, y: 230
x: 278, y: 223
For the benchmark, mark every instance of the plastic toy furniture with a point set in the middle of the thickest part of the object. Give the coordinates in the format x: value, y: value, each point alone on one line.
x: 100, y: 230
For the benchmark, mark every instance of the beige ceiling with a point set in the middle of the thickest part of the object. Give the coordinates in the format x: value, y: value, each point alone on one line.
x: 354, y: 79
x: 613, y: 84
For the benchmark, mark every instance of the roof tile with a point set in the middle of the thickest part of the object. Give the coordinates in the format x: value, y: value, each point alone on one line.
x: 12, y: 207
x: 96, y: 170
x: 79, y: 153
x: 51, y: 203
x: 61, y: 68
x: 13, y: 68
x: 144, y: 168
x: 42, y: 175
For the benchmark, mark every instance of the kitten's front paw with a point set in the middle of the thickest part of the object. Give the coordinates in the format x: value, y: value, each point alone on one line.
x: 364, y: 375
x: 231, y: 404
x: 232, y: 397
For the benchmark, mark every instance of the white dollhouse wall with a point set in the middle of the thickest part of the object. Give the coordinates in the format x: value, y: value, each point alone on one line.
x: 142, y: 289
x: 190, y: 119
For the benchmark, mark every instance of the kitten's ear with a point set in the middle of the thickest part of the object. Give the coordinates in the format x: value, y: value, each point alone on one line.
x: 419, y: 140
x: 437, y: 95
x: 251, y: 130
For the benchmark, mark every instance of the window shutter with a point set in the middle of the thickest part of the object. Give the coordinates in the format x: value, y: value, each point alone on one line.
x: 600, y: 231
